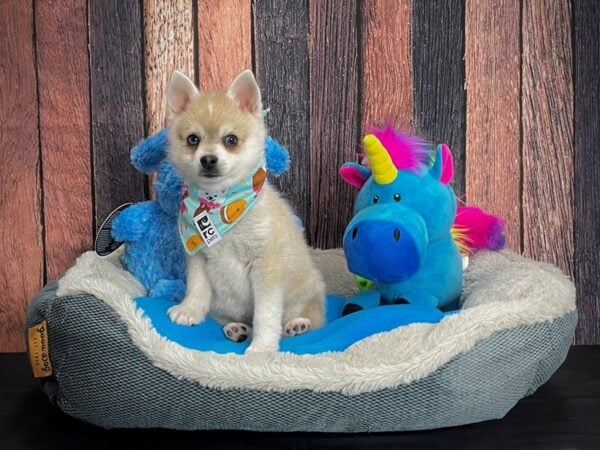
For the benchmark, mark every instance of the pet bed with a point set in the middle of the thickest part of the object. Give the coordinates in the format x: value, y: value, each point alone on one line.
x: 110, y: 366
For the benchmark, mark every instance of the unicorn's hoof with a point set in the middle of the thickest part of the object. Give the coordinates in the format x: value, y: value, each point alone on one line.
x: 351, y: 308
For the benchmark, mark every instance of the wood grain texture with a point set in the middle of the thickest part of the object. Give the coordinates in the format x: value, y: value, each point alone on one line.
x: 281, y: 56
x: 116, y: 101
x: 168, y: 46
x: 224, y: 41
x: 586, y: 56
x: 334, y: 121
x: 64, y: 108
x: 21, y: 252
x: 547, y: 109
x: 492, y: 71
x: 386, y: 63
x: 438, y: 47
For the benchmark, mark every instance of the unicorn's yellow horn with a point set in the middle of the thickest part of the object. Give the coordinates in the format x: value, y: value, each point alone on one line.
x: 384, y: 171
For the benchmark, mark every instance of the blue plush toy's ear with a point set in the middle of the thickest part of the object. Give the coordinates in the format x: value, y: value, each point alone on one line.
x: 168, y: 187
x: 278, y: 157
x: 150, y: 152
x: 443, y: 166
x: 354, y: 174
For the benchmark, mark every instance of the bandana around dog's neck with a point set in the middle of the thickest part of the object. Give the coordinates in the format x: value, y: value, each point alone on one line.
x: 205, y: 217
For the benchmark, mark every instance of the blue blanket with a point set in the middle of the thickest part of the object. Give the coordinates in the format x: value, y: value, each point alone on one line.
x: 337, y: 335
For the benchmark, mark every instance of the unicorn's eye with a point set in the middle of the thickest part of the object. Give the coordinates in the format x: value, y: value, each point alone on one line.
x: 375, y: 199
x: 397, y: 197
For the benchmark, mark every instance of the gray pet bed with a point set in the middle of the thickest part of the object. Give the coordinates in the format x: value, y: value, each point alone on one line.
x: 112, y: 369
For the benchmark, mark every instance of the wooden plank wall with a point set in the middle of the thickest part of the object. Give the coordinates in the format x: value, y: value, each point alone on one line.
x: 169, y: 38
x: 586, y: 206
x: 493, y: 83
x: 438, y: 48
x: 117, y: 101
x: 333, y: 115
x: 511, y: 85
x: 281, y: 66
x: 21, y: 233
x: 547, y: 151
x: 64, y: 128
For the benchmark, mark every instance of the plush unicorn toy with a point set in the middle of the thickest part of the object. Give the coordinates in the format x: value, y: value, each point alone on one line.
x: 401, y: 236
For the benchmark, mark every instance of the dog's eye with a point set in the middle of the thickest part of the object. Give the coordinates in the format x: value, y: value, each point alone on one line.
x: 397, y: 197
x: 375, y: 199
x: 231, y: 140
x: 193, y: 140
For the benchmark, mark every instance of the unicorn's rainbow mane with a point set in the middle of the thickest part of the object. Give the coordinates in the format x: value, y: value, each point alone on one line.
x: 408, y: 152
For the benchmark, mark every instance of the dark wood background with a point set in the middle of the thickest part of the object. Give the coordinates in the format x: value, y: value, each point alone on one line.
x: 511, y: 85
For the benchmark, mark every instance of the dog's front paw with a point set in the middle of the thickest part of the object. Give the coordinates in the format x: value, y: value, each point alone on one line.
x: 294, y: 327
x: 257, y: 347
x: 187, y: 313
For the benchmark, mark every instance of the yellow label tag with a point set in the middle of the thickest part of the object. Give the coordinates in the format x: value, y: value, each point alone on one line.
x: 38, y: 350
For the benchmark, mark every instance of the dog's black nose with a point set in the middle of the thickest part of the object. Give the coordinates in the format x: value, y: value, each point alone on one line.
x: 209, y: 161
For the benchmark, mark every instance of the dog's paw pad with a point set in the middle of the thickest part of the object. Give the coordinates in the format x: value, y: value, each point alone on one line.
x: 296, y: 326
x: 237, y: 332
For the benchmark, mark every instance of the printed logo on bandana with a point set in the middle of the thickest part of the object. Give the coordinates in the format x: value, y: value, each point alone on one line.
x: 206, y: 217
x: 207, y: 229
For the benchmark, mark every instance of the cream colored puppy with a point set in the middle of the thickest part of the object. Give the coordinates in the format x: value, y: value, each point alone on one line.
x: 258, y: 279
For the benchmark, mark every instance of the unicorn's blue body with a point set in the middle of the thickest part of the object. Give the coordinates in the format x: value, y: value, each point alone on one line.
x: 400, y: 237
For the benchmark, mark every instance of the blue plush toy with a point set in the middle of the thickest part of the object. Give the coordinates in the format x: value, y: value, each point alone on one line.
x: 153, y: 250
x: 400, y: 234
x: 405, y: 235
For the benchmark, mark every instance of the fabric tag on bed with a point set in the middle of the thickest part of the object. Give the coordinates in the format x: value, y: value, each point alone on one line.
x: 39, y: 354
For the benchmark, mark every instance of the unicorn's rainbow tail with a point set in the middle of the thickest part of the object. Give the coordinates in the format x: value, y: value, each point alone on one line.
x: 474, y: 229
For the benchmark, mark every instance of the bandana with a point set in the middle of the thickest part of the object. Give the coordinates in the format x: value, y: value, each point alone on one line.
x: 205, y: 217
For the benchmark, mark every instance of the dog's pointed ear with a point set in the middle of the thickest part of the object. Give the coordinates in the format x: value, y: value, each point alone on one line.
x: 245, y: 92
x: 179, y: 93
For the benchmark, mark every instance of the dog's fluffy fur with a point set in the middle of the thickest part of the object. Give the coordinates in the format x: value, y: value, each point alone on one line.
x: 261, y: 272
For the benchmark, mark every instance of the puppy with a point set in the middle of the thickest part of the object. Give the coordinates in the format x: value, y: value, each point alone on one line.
x: 248, y: 263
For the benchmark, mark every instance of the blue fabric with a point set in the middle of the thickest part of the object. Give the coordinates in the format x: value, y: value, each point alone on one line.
x: 278, y: 158
x: 337, y: 335
x: 150, y: 152
x: 147, y: 231
x: 400, y: 239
